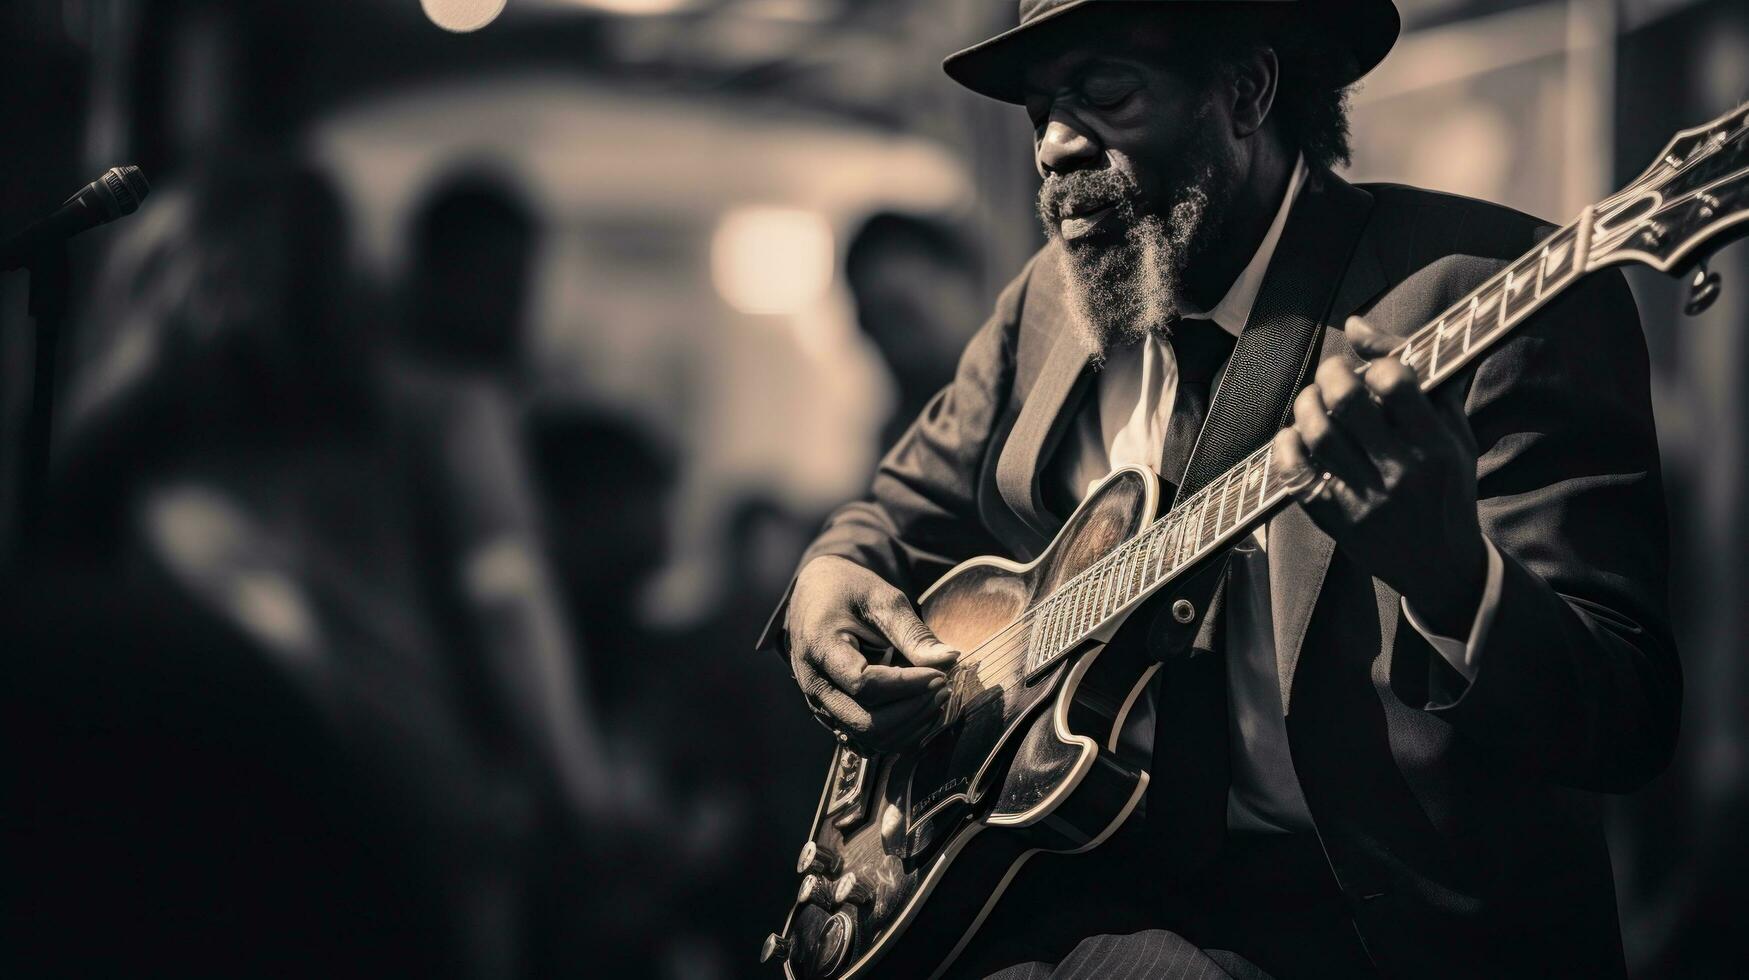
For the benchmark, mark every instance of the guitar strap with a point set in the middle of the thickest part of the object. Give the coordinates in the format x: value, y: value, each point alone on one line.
x: 1274, y: 356
x: 1272, y: 360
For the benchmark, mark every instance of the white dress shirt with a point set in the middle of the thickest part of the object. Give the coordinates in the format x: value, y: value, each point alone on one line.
x: 1126, y: 425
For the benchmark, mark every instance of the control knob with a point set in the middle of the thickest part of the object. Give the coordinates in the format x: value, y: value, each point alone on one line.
x: 815, y: 889
x: 848, y: 890
x: 774, y: 946
x: 817, y: 859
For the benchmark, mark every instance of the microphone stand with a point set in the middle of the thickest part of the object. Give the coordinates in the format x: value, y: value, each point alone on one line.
x: 50, y: 280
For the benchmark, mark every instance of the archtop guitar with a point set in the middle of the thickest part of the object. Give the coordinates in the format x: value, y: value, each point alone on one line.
x: 909, y: 852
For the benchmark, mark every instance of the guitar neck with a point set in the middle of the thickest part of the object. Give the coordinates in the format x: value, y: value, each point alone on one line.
x: 1244, y: 497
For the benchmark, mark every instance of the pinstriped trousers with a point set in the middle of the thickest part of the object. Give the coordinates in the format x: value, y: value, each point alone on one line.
x: 1151, y: 954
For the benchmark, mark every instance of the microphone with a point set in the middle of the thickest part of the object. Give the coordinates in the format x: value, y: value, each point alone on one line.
x: 118, y: 192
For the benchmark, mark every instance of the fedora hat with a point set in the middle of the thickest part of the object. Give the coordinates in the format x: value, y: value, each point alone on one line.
x: 1354, y: 35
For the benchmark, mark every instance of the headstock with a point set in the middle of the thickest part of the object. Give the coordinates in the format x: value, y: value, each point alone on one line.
x: 1686, y: 205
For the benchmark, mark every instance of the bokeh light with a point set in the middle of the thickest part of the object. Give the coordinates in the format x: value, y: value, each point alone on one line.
x: 772, y: 260
x: 462, y: 16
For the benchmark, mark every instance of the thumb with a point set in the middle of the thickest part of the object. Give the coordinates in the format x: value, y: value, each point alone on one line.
x: 912, y: 637
x: 1367, y: 341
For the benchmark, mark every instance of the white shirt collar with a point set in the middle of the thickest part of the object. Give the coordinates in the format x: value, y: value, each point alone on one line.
x: 1235, y: 307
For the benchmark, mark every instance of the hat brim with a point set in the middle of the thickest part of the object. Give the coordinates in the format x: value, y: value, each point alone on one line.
x: 1358, y: 33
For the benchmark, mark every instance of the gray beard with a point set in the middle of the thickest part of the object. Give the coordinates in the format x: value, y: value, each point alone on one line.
x: 1121, y: 292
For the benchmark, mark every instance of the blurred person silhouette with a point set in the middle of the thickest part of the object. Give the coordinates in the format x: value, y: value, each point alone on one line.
x: 915, y: 283
x: 348, y: 519
x: 606, y: 484
x: 217, y: 696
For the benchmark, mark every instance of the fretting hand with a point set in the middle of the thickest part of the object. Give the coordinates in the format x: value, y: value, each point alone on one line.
x: 1391, y: 475
x: 839, y: 610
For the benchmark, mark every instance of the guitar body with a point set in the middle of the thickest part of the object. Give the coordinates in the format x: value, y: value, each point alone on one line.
x: 933, y: 836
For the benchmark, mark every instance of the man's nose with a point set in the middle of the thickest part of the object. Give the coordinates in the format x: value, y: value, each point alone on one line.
x: 1063, y: 148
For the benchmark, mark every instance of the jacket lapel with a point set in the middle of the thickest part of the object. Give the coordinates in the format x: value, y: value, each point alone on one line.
x: 1051, y: 397
x: 1299, y: 553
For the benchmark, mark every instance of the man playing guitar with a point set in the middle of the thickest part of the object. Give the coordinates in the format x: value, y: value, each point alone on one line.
x: 1423, y: 671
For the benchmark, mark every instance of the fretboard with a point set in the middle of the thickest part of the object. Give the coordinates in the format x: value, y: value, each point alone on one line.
x: 1245, y: 496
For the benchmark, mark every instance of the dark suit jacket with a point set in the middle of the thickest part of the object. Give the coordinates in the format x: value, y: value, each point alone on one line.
x: 1458, y: 817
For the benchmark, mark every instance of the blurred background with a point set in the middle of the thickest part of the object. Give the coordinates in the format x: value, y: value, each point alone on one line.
x: 434, y: 441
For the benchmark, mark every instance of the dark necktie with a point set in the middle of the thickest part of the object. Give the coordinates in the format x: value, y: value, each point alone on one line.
x: 1201, y: 349
x: 1187, y: 804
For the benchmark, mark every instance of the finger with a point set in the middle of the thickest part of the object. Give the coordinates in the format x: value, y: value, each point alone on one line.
x: 1289, y: 464
x: 1329, y: 501
x: 883, y: 685
x: 1324, y: 441
x: 894, y: 616
x: 1368, y: 341
x: 841, y: 662
x: 843, y: 711
x: 895, y: 724
x: 1396, y: 385
x: 1354, y: 411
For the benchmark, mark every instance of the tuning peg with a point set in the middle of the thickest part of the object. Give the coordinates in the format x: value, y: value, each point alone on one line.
x: 1702, y: 290
x: 774, y: 946
x: 817, y: 858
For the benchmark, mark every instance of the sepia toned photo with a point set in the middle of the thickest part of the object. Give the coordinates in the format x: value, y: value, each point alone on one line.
x: 874, y: 489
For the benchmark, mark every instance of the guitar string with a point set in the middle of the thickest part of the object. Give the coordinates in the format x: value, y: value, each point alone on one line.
x: 1003, y: 655
x: 1237, y: 477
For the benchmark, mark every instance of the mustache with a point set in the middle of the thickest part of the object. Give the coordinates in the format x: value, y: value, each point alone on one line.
x: 1080, y: 191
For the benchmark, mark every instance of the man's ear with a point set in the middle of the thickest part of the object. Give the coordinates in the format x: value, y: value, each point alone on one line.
x: 1252, y: 79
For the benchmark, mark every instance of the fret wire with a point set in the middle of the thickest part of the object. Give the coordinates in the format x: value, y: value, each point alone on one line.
x: 1082, y: 595
x: 1469, y: 324
x: 1120, y: 580
x: 1505, y: 298
x: 1542, y: 266
x: 1241, y: 480
x: 1438, y: 334
x: 1263, y: 484
x: 1199, y: 511
x: 1221, y: 510
x: 1139, y: 565
x: 1156, y: 549
x: 1065, y: 625
x: 1236, y: 490
x: 1244, y: 490
x: 1102, y: 604
x: 1187, y: 541
x: 1131, y: 565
